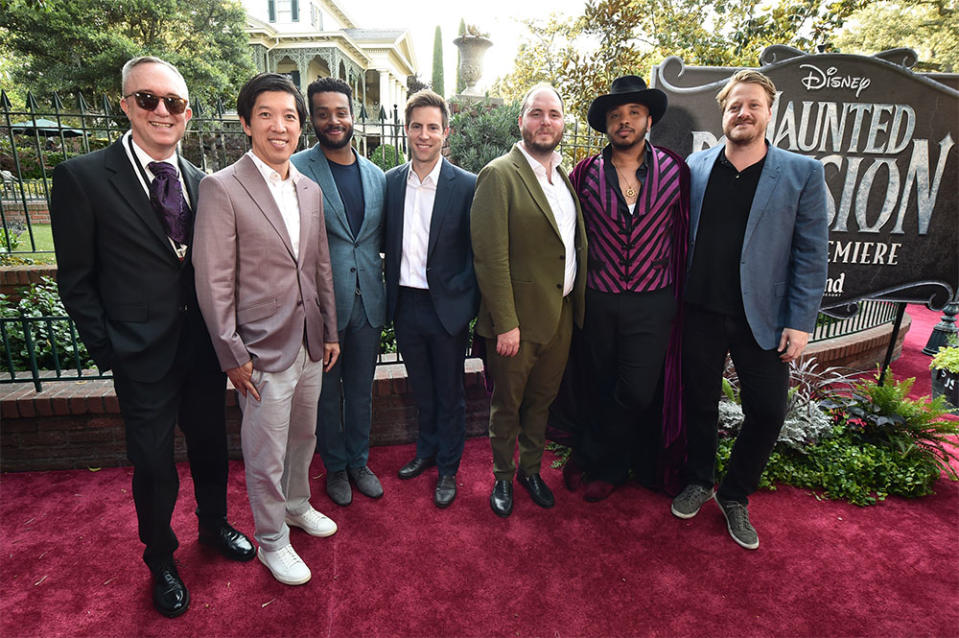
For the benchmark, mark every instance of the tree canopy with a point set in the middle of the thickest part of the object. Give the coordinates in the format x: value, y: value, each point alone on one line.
x: 81, y: 45
x: 582, y: 55
x: 931, y: 27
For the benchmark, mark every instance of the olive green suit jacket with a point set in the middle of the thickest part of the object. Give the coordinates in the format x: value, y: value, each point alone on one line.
x: 518, y: 254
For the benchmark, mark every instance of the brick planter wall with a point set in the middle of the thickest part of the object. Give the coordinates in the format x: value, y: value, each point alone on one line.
x: 78, y: 424
x: 38, y: 210
x: 14, y: 277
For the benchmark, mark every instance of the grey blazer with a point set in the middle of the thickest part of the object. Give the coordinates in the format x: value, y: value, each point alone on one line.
x: 357, y: 264
x: 785, y: 249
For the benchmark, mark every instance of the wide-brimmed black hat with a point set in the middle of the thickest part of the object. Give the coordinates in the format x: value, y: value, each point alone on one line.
x: 629, y: 89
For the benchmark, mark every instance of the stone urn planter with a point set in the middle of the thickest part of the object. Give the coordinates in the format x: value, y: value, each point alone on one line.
x: 472, y: 48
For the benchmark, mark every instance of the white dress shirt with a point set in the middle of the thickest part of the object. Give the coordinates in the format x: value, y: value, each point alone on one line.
x: 417, y: 215
x: 284, y: 194
x: 140, y: 159
x: 564, y: 210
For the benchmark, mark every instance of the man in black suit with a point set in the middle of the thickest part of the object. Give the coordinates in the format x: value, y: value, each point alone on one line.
x: 123, y: 230
x: 431, y: 291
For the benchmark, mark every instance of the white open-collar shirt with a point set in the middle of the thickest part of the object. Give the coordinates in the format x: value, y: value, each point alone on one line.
x: 564, y: 210
x: 417, y: 215
x: 284, y: 194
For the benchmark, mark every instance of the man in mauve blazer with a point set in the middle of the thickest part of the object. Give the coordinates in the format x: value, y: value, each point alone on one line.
x: 431, y: 287
x: 128, y: 285
x: 353, y: 189
x: 758, y: 261
x: 529, y: 247
x: 265, y: 287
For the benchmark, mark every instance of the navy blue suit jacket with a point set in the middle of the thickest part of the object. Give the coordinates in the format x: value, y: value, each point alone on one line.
x: 449, y: 264
x: 785, y: 249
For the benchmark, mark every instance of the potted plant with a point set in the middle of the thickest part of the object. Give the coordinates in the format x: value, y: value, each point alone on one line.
x: 945, y: 372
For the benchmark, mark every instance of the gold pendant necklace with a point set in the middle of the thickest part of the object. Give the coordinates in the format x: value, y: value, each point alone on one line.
x: 630, y: 192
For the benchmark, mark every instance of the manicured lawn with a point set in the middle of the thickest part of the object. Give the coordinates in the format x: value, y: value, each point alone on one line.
x: 43, y: 241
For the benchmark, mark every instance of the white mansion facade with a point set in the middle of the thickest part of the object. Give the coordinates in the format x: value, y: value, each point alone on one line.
x: 308, y: 39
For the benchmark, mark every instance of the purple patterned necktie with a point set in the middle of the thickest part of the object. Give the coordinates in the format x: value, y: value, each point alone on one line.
x: 166, y: 196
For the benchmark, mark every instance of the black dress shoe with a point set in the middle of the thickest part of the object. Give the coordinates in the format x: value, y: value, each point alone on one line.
x: 231, y: 543
x: 445, y: 491
x: 170, y: 595
x: 537, y: 489
x: 501, y: 500
x: 415, y: 467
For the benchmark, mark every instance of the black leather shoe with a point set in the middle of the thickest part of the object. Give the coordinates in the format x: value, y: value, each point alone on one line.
x: 537, y: 489
x: 170, y: 595
x: 415, y: 467
x: 445, y: 491
x: 501, y: 500
x: 231, y: 543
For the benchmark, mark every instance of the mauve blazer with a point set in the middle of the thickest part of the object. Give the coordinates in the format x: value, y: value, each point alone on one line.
x: 258, y: 299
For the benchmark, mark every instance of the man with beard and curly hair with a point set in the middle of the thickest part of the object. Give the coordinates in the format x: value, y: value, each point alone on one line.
x: 353, y: 195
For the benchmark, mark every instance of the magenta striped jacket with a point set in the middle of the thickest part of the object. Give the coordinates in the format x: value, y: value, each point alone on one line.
x: 665, y: 196
x: 630, y: 253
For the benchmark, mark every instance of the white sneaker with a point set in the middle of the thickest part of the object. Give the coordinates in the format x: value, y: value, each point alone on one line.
x: 313, y: 523
x: 285, y: 565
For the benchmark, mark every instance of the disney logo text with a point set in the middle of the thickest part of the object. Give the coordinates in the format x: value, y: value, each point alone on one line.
x: 830, y: 79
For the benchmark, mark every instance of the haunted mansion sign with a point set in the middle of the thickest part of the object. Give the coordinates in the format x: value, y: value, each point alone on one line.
x: 887, y: 140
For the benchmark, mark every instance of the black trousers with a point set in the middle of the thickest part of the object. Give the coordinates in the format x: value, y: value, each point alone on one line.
x: 626, y: 336
x: 764, y: 383
x: 434, y: 366
x: 191, y: 394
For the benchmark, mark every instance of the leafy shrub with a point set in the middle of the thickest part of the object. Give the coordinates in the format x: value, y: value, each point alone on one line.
x: 52, y: 340
x: 947, y: 358
x: 386, y: 156
x: 879, y: 442
x: 388, y: 339
x: 10, y: 234
x: 805, y: 421
x: 481, y: 132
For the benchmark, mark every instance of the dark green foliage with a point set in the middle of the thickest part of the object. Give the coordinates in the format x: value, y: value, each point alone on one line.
x: 388, y: 339
x: 40, y: 300
x: 482, y: 132
x: 27, y: 158
x: 883, y: 443
x: 386, y: 156
x: 438, y: 85
x: 81, y: 45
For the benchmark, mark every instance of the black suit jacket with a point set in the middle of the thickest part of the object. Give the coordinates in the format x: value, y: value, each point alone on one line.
x: 119, y: 277
x: 449, y: 263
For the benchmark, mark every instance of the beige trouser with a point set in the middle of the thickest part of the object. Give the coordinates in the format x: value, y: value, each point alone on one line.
x: 278, y: 435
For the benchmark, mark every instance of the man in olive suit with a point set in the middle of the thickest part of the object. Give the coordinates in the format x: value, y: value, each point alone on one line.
x: 529, y: 247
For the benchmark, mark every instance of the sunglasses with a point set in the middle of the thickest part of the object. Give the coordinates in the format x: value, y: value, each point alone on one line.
x: 149, y: 102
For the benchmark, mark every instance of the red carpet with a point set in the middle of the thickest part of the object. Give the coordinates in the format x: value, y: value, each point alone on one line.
x: 70, y: 563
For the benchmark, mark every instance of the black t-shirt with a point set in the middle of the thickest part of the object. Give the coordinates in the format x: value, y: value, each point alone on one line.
x: 714, y: 281
x: 350, y: 187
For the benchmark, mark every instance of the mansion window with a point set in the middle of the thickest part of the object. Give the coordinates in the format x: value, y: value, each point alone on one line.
x: 283, y: 10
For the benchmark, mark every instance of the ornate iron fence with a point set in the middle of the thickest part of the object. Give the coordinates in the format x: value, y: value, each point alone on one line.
x: 35, y: 138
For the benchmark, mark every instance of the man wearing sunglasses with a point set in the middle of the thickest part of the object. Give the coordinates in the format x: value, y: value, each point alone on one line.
x: 122, y: 225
